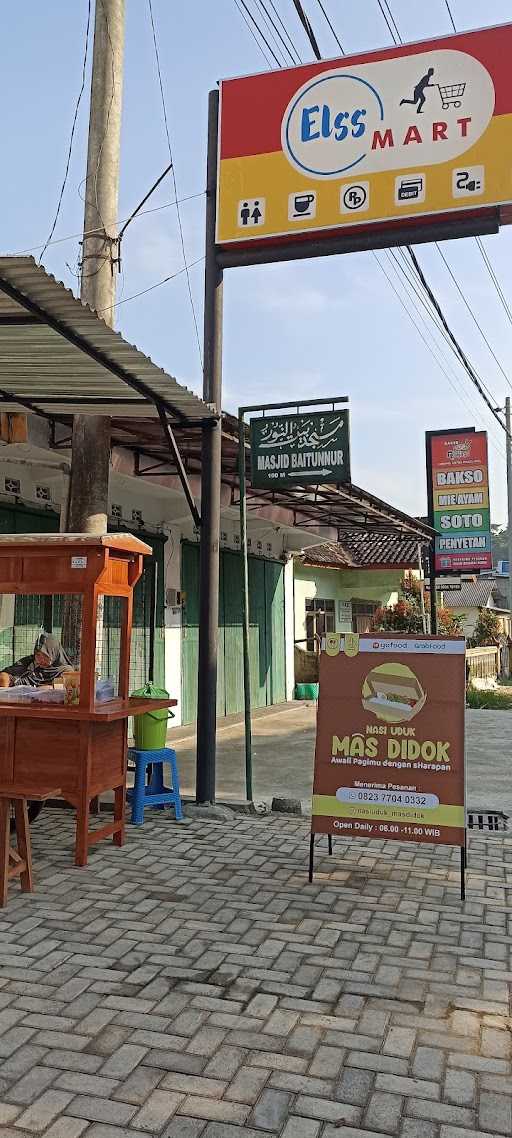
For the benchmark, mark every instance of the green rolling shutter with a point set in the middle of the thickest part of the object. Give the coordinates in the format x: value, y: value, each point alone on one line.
x: 266, y: 634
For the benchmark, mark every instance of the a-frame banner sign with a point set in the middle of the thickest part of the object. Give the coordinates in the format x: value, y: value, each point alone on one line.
x: 389, y: 758
x: 421, y: 131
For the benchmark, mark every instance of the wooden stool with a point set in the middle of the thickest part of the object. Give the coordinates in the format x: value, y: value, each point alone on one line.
x: 17, y: 862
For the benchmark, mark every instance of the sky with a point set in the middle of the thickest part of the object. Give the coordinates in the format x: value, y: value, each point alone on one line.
x: 316, y: 328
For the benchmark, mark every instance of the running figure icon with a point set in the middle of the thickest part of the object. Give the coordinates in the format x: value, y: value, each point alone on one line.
x: 419, y: 96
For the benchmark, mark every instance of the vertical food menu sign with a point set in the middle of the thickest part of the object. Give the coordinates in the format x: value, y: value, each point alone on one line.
x: 458, y: 488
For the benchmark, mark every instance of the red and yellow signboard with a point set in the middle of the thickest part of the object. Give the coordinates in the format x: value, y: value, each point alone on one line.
x: 411, y: 131
x: 459, y: 500
x: 389, y: 759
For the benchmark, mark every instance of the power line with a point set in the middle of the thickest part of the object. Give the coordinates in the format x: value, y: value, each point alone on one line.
x: 408, y: 271
x: 447, y: 332
x: 285, y: 30
x: 434, y: 353
x: 173, y: 173
x: 253, y: 34
x: 470, y: 310
x: 157, y: 284
x: 388, y: 22
x: 275, y: 33
x: 460, y: 352
x: 401, y: 265
x: 258, y: 29
x: 72, y: 135
x: 391, y: 17
x: 493, y: 277
x: 120, y: 221
x: 483, y: 251
x: 333, y: 29
x: 470, y: 370
x: 450, y: 15
x: 138, y: 207
x: 307, y: 27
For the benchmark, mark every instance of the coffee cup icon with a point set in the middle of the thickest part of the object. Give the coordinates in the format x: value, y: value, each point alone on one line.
x: 302, y: 203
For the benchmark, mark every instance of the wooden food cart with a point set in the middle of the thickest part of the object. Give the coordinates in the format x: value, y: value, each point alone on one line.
x: 81, y: 749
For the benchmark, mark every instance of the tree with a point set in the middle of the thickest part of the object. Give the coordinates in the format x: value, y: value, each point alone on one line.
x: 406, y: 614
x: 499, y: 544
x: 487, y: 629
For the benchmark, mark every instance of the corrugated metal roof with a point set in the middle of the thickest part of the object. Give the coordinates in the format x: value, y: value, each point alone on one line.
x: 365, y: 551
x: 56, y: 352
x: 472, y: 594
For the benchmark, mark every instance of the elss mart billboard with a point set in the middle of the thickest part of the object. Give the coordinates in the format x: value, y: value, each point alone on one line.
x: 389, y: 759
x: 458, y: 492
x: 421, y: 129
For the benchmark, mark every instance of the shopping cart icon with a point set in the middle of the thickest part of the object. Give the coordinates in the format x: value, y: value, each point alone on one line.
x: 452, y: 95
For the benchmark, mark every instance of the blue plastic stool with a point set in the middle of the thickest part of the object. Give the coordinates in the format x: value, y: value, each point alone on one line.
x: 154, y: 793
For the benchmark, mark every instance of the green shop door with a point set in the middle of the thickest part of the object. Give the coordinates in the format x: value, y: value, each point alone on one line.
x: 21, y: 623
x: 148, y: 629
x: 266, y: 634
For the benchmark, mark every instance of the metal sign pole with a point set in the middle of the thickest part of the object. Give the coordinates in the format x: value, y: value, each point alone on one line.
x: 245, y: 606
x: 432, y: 547
x: 509, y: 499
x: 210, y: 487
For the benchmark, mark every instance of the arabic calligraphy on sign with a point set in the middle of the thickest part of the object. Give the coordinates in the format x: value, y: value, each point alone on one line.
x: 306, y: 433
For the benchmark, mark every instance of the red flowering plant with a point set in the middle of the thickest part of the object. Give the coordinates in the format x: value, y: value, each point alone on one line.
x: 406, y: 615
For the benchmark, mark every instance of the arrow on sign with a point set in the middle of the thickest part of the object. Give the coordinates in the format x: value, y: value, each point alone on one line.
x: 301, y: 473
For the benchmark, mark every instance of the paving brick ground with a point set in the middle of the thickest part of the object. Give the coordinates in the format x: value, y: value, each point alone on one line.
x: 193, y: 985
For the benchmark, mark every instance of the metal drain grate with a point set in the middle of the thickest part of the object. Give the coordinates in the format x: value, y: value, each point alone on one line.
x: 487, y: 820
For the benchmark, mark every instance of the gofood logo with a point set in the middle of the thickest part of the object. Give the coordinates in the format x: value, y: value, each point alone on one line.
x: 417, y: 109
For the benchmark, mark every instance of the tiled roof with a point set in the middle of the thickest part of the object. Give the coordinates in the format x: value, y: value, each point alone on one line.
x: 476, y: 594
x: 365, y: 551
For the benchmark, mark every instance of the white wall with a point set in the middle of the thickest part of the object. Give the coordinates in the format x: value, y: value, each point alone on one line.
x: 378, y: 585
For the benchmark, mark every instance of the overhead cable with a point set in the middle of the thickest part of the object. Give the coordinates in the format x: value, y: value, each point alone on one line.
x: 460, y: 351
x: 285, y: 30
x: 450, y: 15
x: 275, y: 32
x: 253, y: 33
x: 470, y: 310
x: 150, y: 288
x: 395, y: 38
x: 307, y: 27
x: 434, y: 350
x: 331, y: 25
x: 254, y: 21
x: 408, y: 271
x: 91, y: 232
x: 173, y: 173
x: 481, y: 246
x: 469, y: 368
x: 72, y: 135
x: 494, y: 278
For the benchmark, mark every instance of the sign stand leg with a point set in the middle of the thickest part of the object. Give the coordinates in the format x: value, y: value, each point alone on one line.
x: 329, y: 843
x: 311, y: 857
x: 463, y: 873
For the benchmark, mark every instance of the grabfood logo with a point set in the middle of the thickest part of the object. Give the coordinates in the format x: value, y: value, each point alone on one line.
x: 414, y: 110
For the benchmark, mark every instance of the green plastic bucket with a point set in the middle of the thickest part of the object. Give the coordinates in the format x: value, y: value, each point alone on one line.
x: 306, y: 691
x: 150, y: 729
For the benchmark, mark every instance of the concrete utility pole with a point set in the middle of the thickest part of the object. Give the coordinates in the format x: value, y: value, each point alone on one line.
x: 211, y: 467
x: 509, y: 498
x: 88, y: 494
